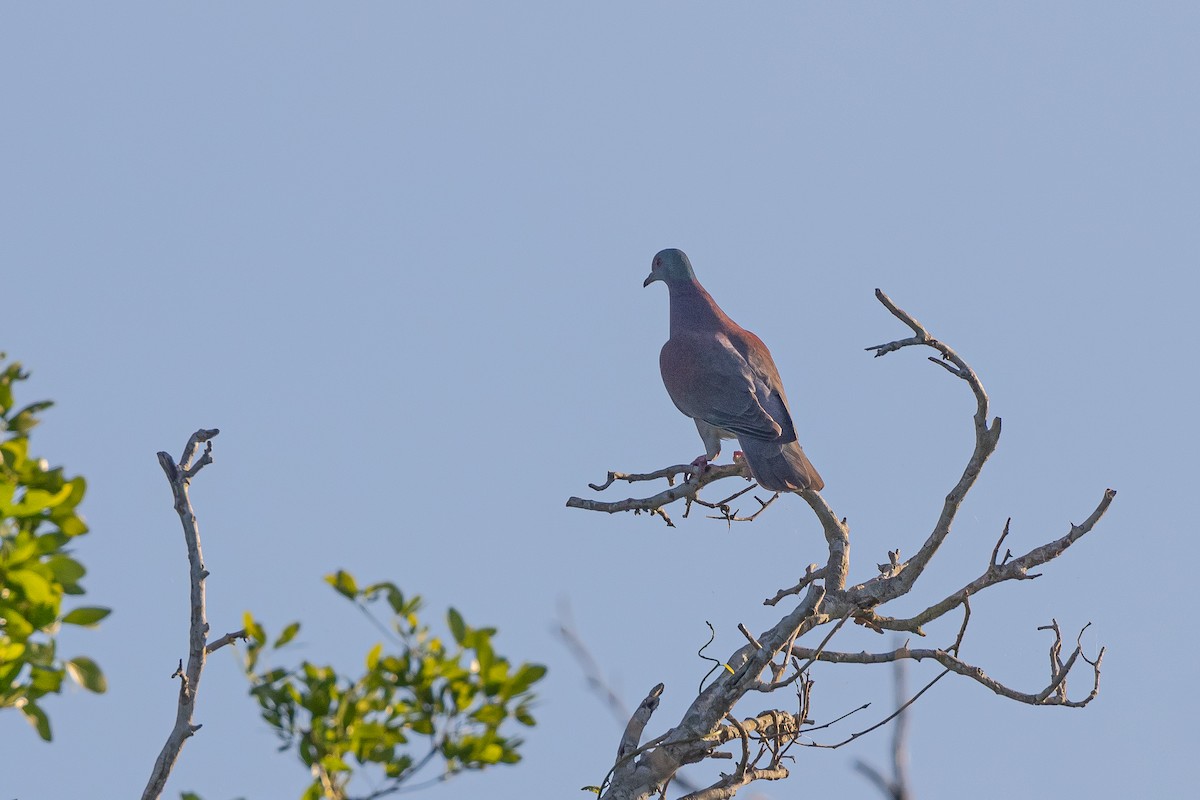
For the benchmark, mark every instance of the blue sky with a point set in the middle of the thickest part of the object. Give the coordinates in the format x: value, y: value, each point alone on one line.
x: 395, y: 253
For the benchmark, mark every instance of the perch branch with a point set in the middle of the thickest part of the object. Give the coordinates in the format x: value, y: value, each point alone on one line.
x: 696, y: 480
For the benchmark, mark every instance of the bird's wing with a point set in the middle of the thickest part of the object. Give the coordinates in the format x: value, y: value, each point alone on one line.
x: 708, y: 379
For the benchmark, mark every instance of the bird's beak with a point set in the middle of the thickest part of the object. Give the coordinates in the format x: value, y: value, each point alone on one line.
x: 651, y: 278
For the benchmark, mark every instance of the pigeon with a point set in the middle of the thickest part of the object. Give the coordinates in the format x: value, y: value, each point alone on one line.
x: 723, y: 377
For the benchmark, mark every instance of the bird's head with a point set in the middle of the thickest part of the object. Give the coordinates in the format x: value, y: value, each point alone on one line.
x: 670, y: 266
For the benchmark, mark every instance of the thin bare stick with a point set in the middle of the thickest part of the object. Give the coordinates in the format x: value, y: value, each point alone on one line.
x: 886, y: 719
x: 810, y: 575
x: 179, y: 476
x: 229, y: 638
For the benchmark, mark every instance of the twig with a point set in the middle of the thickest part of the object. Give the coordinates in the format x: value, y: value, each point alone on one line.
x: 696, y: 480
x: 229, y: 638
x: 810, y: 575
x: 885, y: 720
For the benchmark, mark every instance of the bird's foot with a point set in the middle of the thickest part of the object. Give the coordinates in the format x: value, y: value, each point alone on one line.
x: 700, y: 463
x: 738, y: 455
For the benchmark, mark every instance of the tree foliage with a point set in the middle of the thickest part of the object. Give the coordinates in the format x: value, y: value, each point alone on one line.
x: 39, y: 520
x: 422, y: 699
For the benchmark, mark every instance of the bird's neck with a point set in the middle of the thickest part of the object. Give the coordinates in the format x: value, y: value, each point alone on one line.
x: 693, y: 308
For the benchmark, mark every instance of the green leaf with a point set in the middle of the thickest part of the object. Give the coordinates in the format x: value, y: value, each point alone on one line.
x: 53, y: 542
x: 87, y: 674
x: 37, y: 718
x: 490, y: 753
x: 484, y: 652
x: 344, y: 583
x: 23, y: 549
x: 15, y: 624
x: 287, y: 635
x: 395, y: 599
x: 492, y: 714
x: 526, y: 676
x: 458, y: 628
x: 373, y: 656
x: 37, y: 590
x: 88, y: 616
x: 38, y: 500
x: 253, y: 629
x: 10, y: 651
x: 45, y: 681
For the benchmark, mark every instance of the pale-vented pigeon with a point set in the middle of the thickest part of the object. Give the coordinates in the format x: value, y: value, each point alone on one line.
x: 722, y: 376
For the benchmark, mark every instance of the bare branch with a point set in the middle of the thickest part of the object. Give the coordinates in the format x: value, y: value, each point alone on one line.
x: 730, y: 515
x: 1053, y: 695
x: 1013, y: 569
x: 697, y: 478
x: 229, y: 638
x: 810, y: 575
x: 726, y: 788
x: 179, y: 476
x: 885, y: 588
x: 837, y: 537
x: 633, y: 731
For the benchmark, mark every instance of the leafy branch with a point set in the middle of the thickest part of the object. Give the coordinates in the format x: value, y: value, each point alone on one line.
x: 421, y: 701
x: 39, y: 521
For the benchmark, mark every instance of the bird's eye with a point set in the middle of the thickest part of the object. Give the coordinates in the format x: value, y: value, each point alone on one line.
x: 658, y: 262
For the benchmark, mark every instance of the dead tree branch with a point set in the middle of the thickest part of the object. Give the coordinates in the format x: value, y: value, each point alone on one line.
x: 646, y: 771
x: 179, y: 476
x: 696, y: 479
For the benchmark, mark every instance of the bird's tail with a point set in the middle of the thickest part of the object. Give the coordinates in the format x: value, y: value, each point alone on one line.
x: 780, y: 466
